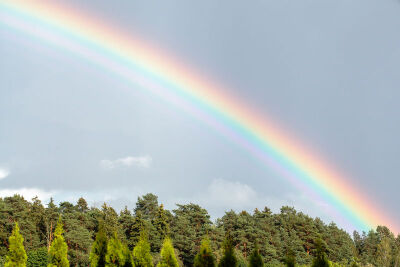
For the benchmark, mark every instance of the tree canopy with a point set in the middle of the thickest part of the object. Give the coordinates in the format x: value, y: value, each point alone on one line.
x: 85, y: 233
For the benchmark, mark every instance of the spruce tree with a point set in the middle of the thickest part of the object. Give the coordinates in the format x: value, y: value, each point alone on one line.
x: 168, y: 258
x: 161, y: 226
x: 115, y: 252
x: 141, y: 253
x: 16, y: 256
x: 139, y: 225
x: 99, y: 249
x: 229, y: 259
x: 320, y: 259
x: 58, y: 249
x: 255, y: 258
x: 205, y: 257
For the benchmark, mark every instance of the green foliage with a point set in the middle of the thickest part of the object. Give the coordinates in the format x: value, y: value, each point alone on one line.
x: 161, y: 227
x: 127, y: 256
x: 82, y: 205
x: 384, y: 253
x: 77, y: 236
x: 290, y: 259
x: 16, y: 256
x: 189, y: 225
x: 115, y: 252
x: 320, y: 259
x: 99, y: 249
x: 229, y: 259
x: 241, y: 259
x: 128, y: 225
x: 275, y: 234
x: 168, y: 258
x: 141, y: 255
x: 110, y: 220
x: 255, y: 259
x: 205, y: 257
x: 58, y: 250
x: 37, y: 257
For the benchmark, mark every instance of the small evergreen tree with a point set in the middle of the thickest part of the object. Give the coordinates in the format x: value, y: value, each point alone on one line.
x: 99, y: 249
x: 229, y: 258
x: 168, y: 258
x: 205, y: 257
x: 320, y: 259
x: 16, y: 256
x: 58, y: 249
x: 141, y: 253
x: 127, y: 256
x: 115, y: 252
x: 255, y: 258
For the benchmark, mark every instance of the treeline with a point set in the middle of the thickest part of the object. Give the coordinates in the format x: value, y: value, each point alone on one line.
x: 76, y: 235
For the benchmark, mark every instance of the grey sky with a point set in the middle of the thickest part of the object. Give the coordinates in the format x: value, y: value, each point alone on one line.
x: 327, y: 71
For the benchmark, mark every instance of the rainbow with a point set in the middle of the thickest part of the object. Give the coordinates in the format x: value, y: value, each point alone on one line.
x: 152, y: 70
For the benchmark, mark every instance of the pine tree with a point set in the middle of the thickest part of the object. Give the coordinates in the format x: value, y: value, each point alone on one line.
x: 383, y: 253
x: 16, y: 256
x: 189, y: 225
x: 82, y: 205
x: 58, y: 249
x: 115, y: 252
x: 168, y: 258
x: 147, y: 205
x: 141, y: 253
x: 320, y: 259
x: 205, y: 257
x: 255, y: 258
x: 229, y: 259
x: 99, y: 249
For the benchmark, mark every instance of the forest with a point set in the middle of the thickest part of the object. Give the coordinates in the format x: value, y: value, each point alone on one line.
x: 74, y: 234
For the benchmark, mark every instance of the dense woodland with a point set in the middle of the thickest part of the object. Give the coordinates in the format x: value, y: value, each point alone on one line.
x: 35, y: 234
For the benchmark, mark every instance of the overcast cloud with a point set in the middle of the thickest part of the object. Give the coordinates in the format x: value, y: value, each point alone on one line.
x: 325, y: 71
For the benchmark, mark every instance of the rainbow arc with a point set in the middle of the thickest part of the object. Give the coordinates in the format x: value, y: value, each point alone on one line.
x: 161, y: 74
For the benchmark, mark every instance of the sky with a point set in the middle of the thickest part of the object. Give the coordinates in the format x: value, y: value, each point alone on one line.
x: 324, y: 71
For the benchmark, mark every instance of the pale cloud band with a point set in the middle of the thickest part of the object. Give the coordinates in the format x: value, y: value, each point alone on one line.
x: 28, y: 193
x: 141, y: 161
x: 218, y: 197
x: 4, y: 173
